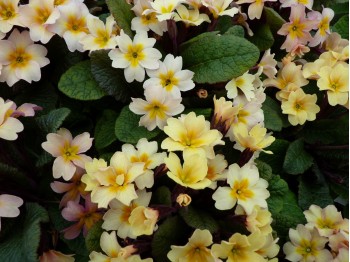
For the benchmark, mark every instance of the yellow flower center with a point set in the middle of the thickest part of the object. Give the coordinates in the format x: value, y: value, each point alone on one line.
x: 168, y: 81
x: 326, y: 223
x: 135, y: 54
x: 42, y: 14
x: 59, y: 2
x: 167, y: 9
x: 149, y: 19
x: 298, y: 106
x: 102, y: 38
x: 7, y: 12
x: 76, y: 25
x: 303, y: 2
x: 156, y: 109
x: 296, y: 29
x: 324, y: 26
x: 307, y: 248
x: 241, y: 116
x: 241, y: 190
x: 69, y: 152
x: 19, y: 58
x: 144, y: 158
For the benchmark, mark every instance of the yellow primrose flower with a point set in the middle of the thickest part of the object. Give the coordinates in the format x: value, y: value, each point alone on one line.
x: 191, y: 17
x: 9, y: 15
x: 306, y: 245
x: 240, y: 248
x: 336, y: 81
x: 193, y: 172
x: 216, y: 167
x: 220, y: 7
x: 118, y: 214
x: 116, y: 181
x: 327, y: 221
x: 290, y: 73
x: 143, y: 220
x: 256, y: 139
x: 270, y: 248
x: 255, y: 8
x: 245, y: 188
x: 268, y: 63
x: 191, y: 133
x: 89, y: 178
x: 243, y: 83
x: 300, y: 107
x: 310, y: 70
x: 224, y: 114
x: 53, y: 255
x: 195, y: 250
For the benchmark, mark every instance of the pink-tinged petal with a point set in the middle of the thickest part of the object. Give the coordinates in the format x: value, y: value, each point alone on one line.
x: 73, y: 211
x: 62, y: 168
x: 20, y: 39
x: 10, y: 128
x: 81, y: 160
x: 66, y: 134
x: 72, y: 231
x: 83, y: 142
x: 7, y: 48
x: 9, y: 205
x: 29, y: 109
x: 60, y: 187
x: 8, y: 75
x: 38, y: 53
x: 54, y: 144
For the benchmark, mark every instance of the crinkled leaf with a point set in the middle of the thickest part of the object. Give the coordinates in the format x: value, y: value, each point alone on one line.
x: 78, y: 83
x: 92, y: 239
x: 272, y: 115
x: 104, y: 130
x: 127, y: 127
x: 274, y: 20
x: 23, y: 243
x: 297, y: 160
x: 216, y: 58
x: 279, y: 148
x: 342, y: 26
x: 110, y: 79
x: 169, y: 233
x: 265, y: 171
x: 198, y: 218
x: 122, y: 13
x: 236, y: 30
x: 262, y: 37
x: 277, y: 188
x: 162, y: 196
x: 50, y: 122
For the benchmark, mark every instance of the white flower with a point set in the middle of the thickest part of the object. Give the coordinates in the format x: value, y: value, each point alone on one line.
x: 219, y: 7
x: 246, y: 189
x: 21, y: 58
x: 163, y: 8
x: 101, y: 35
x: 146, y: 22
x: 9, y: 205
x: 134, y: 56
x: 191, y: 17
x: 9, y: 15
x: 170, y: 77
x: 157, y: 108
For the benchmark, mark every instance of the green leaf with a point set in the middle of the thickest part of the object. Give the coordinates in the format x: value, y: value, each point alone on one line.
x: 279, y: 148
x: 122, y: 13
x: 78, y: 83
x: 297, y: 160
x: 216, y: 58
x: 52, y: 121
x: 23, y: 243
x: 198, y: 218
x: 277, y: 188
x: 127, y: 127
x: 104, y: 130
x: 236, y: 30
x: 342, y: 27
x: 206, y: 112
x: 314, y: 191
x: 274, y: 20
x: 110, y: 79
x: 263, y: 37
x: 265, y: 171
x: 162, y: 196
x: 223, y: 24
x: 92, y: 239
x: 169, y: 233
x: 272, y: 114
x: 288, y: 217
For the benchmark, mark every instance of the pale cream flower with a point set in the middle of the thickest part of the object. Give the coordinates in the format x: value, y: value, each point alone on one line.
x: 9, y: 15
x: 147, y: 22
x: 306, y: 245
x: 255, y: 139
x: 143, y: 220
x: 192, y: 173
x: 157, y: 108
x: 220, y: 7
x: 21, y: 58
x: 336, y: 82
x: 170, y: 76
x: 255, y: 8
x: 72, y: 24
x: 245, y: 188
x: 68, y: 152
x: 290, y: 3
x: 323, y: 25
x: 191, y: 17
x: 118, y: 214
x: 191, y: 133
x: 270, y: 248
x: 195, y: 250
x: 300, y: 107
x: 145, y: 152
x: 101, y: 35
x: 55, y: 256
x: 164, y: 9
x: 9, y: 126
x: 224, y: 114
x: 268, y: 63
x: 9, y: 205
x: 216, y: 168
x: 91, y: 167
x: 241, y: 248
x: 135, y: 56
x: 327, y: 221
x: 243, y: 83
x: 37, y: 16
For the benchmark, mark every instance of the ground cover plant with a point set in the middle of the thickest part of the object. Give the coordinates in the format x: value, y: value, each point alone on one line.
x: 174, y: 130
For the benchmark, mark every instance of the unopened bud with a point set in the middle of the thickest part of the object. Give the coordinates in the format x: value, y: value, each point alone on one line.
x: 184, y: 200
x: 202, y: 93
